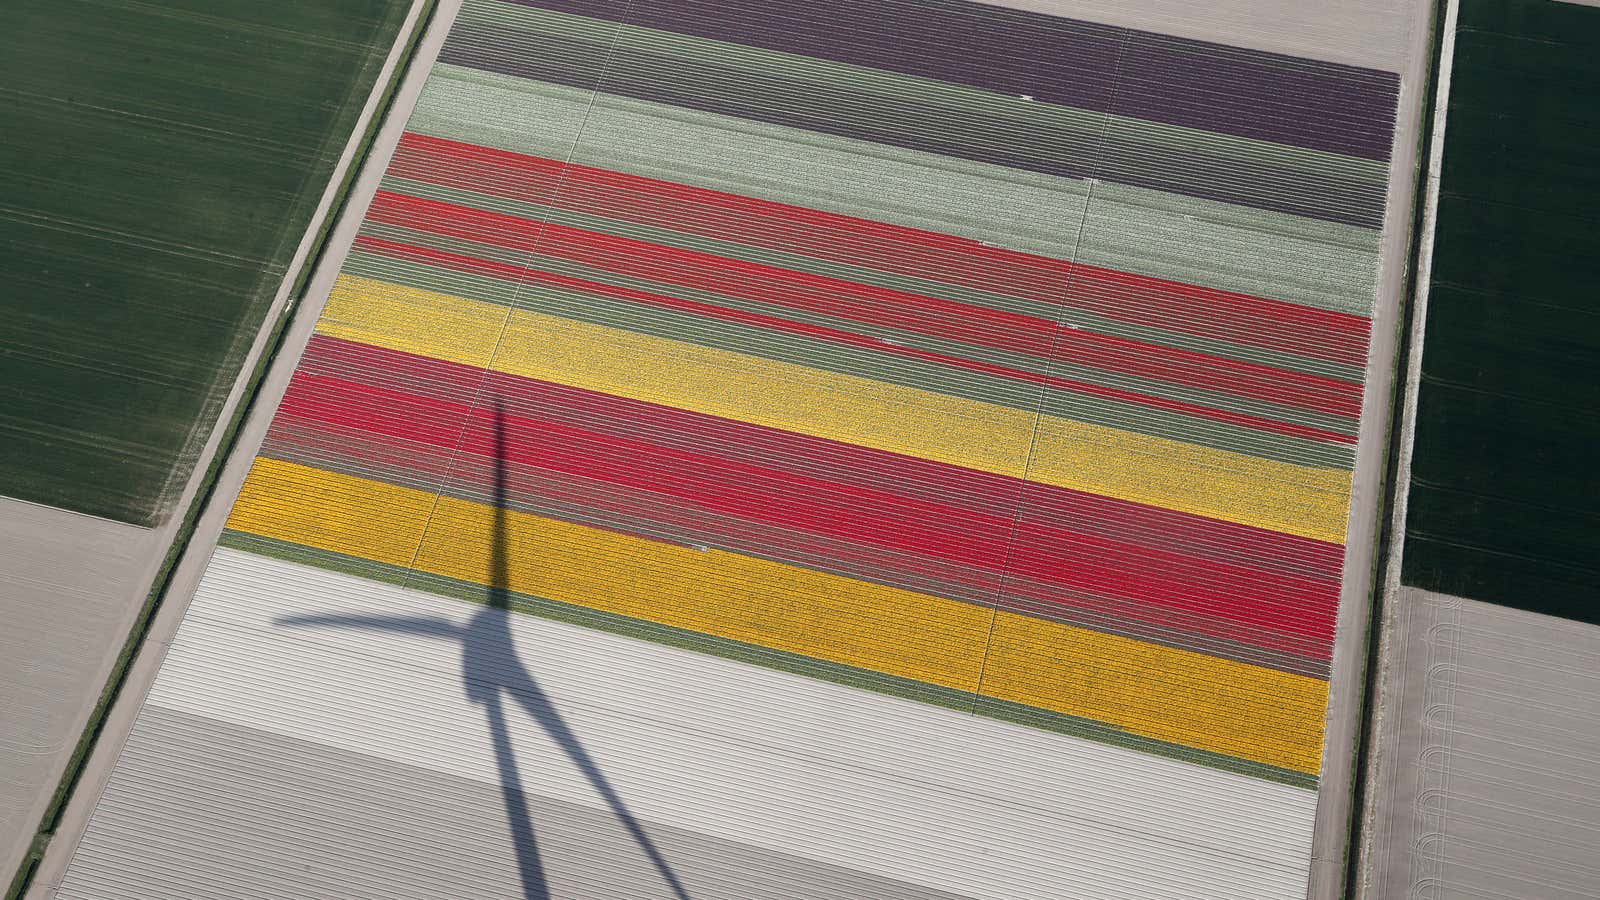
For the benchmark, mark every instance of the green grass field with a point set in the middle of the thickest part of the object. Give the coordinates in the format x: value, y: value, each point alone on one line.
x: 159, y: 164
x: 1505, y: 496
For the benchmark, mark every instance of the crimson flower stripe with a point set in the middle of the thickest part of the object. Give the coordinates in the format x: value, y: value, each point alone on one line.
x: 461, y: 263
x: 1014, y: 332
x: 639, y: 514
x: 1054, y: 566
x: 939, y: 318
x: 1161, y: 303
x: 967, y: 489
x: 1140, y: 585
x: 750, y: 490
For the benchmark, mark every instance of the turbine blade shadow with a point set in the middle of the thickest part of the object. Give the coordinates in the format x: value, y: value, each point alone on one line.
x: 499, y: 549
x: 544, y: 712
x: 524, y: 839
x: 430, y: 626
x: 490, y: 669
x: 521, y: 685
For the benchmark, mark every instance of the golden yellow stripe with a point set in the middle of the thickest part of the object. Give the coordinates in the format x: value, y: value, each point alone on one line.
x: 1174, y: 695
x: 413, y: 321
x: 1310, y: 502
x: 385, y: 522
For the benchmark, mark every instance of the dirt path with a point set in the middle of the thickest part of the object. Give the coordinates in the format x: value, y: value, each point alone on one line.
x: 72, y: 586
x: 1351, y: 652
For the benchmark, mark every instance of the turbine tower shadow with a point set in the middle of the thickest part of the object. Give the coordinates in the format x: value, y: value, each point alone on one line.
x: 495, y: 677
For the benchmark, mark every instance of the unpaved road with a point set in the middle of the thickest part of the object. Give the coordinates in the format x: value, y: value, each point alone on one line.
x: 71, y: 586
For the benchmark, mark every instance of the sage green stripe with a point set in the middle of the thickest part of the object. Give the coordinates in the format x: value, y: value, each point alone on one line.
x: 849, y: 360
x: 862, y: 275
x: 550, y: 45
x: 783, y: 661
x: 1319, y: 264
x: 1061, y: 366
x: 1304, y: 261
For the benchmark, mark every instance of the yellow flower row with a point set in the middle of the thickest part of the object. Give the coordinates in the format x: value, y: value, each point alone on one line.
x: 1311, y: 502
x: 1173, y: 695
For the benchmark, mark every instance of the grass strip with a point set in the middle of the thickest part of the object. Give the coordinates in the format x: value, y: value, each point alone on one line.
x: 794, y: 663
x: 1368, y: 674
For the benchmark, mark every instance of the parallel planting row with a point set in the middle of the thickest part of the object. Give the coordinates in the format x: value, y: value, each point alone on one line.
x: 916, y: 436
x: 951, y: 353
x: 1041, y: 403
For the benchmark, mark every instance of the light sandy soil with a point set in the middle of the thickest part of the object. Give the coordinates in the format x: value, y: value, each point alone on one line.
x: 1371, y: 33
x: 71, y: 587
x: 1485, y: 779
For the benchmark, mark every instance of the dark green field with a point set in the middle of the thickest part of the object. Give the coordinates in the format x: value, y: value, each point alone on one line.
x: 1505, y: 496
x: 159, y: 164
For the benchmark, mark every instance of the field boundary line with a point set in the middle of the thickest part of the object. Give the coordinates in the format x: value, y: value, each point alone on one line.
x: 1340, y: 812
x: 1367, y: 863
x: 133, y: 670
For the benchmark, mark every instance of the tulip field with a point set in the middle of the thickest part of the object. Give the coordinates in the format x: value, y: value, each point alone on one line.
x: 904, y: 432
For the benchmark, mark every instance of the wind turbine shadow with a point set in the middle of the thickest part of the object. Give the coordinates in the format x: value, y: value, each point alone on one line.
x: 495, y: 677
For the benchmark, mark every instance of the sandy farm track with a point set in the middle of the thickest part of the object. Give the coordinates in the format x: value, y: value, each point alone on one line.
x: 72, y: 585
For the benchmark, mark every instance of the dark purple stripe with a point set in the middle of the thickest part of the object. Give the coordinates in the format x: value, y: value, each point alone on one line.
x: 1267, y: 96
x: 1194, y: 168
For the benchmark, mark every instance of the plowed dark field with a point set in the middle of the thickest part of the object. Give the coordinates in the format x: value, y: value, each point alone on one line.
x: 159, y: 164
x: 1504, y: 492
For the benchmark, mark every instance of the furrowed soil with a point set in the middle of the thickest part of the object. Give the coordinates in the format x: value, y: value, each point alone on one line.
x: 1506, y: 475
x: 159, y: 164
